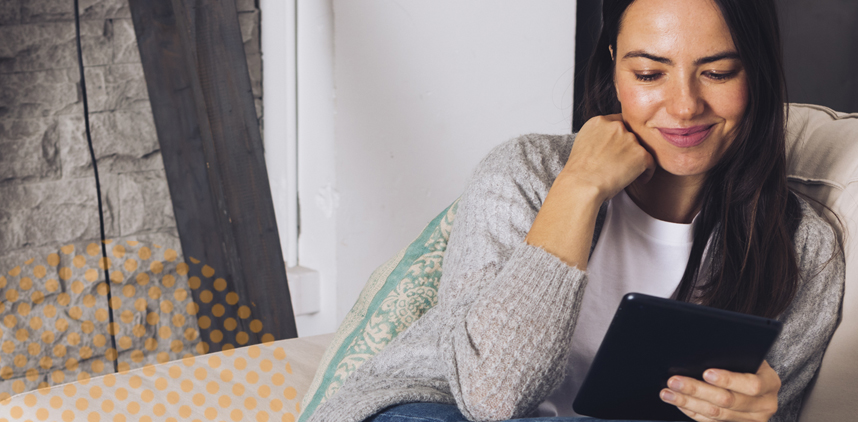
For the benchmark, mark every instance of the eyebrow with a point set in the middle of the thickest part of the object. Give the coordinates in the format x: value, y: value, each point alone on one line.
x: 703, y: 60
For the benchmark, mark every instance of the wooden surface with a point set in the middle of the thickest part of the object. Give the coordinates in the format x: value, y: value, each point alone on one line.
x: 199, y: 88
x: 588, y: 23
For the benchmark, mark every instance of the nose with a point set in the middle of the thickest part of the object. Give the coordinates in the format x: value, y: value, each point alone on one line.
x: 684, y: 100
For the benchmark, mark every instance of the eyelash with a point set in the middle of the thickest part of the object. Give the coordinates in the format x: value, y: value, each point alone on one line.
x: 720, y: 76
x: 648, y: 77
x: 652, y: 77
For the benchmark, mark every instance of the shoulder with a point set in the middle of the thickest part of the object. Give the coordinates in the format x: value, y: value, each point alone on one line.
x: 813, y: 315
x: 820, y: 259
x: 526, y: 158
x: 503, y: 197
x: 814, y: 238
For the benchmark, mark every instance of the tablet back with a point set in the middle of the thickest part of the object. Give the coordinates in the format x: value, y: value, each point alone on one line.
x: 651, y: 339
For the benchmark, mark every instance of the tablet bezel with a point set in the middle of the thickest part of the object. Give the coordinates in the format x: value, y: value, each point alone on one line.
x: 651, y: 339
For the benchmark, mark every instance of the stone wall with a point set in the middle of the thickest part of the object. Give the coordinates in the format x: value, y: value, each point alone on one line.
x: 47, y: 188
x: 50, y: 329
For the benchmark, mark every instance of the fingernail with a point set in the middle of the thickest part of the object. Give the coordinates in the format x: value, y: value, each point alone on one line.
x: 674, y: 384
x: 667, y: 395
x: 710, y: 376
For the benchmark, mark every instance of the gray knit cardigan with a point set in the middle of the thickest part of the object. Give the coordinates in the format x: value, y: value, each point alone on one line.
x: 497, y: 343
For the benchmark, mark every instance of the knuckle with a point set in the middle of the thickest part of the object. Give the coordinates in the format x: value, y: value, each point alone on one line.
x: 592, y: 123
x: 713, y: 411
x: 604, y: 121
x: 756, y: 387
x: 691, y: 414
x: 727, y: 400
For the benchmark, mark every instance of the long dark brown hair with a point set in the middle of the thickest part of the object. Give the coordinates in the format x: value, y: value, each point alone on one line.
x: 748, y: 214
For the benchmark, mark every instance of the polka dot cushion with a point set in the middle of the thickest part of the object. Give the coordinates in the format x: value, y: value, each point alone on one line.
x: 257, y: 383
x: 55, y: 317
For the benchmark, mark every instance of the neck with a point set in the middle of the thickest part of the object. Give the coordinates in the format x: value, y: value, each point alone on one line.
x: 668, y: 197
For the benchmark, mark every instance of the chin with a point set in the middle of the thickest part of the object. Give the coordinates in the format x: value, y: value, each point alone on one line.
x: 685, y: 167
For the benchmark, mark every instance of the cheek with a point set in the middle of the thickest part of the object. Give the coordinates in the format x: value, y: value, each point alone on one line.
x: 638, y: 103
x: 731, y: 104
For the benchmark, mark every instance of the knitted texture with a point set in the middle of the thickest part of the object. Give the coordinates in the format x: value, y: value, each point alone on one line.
x: 497, y: 342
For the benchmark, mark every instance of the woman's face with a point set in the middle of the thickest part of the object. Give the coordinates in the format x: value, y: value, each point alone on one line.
x: 679, y: 80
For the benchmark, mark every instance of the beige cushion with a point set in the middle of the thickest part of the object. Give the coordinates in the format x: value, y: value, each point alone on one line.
x: 264, y: 382
x: 822, y: 156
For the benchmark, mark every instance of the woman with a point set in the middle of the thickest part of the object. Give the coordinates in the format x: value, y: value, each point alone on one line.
x: 680, y: 176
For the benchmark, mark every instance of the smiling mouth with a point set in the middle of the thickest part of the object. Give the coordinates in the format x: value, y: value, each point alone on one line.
x: 686, y: 137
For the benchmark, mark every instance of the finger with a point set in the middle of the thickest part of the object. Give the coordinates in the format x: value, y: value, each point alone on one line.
x: 614, y: 117
x: 769, y: 375
x: 703, y: 410
x: 715, y: 395
x: 696, y: 416
x: 607, y: 155
x: 600, y: 120
x: 765, y: 381
x: 694, y: 405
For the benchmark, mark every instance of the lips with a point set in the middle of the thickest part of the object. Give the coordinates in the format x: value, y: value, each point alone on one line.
x: 686, y: 137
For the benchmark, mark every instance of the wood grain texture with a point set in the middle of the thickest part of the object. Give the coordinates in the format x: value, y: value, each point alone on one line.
x: 200, y: 91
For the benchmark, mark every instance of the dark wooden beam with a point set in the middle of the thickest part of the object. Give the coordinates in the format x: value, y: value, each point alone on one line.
x: 588, y: 23
x: 200, y: 91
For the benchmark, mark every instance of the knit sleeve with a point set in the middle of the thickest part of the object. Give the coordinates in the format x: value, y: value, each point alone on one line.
x: 511, y: 307
x: 810, y: 320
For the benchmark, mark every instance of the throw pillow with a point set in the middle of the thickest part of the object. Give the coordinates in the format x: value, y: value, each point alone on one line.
x: 397, y: 294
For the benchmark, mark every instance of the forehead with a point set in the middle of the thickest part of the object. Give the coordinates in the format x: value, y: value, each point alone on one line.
x: 674, y: 27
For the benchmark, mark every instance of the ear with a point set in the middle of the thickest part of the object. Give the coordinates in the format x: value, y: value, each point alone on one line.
x: 611, y: 49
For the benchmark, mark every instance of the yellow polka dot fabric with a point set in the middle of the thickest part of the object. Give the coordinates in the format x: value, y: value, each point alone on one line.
x: 55, y: 317
x: 256, y: 383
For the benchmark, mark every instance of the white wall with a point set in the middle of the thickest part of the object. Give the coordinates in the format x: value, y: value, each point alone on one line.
x: 317, y: 173
x: 280, y: 135
x: 424, y: 89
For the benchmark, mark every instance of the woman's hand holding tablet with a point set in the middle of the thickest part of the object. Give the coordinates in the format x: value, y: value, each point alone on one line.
x: 725, y: 395
x: 710, y: 360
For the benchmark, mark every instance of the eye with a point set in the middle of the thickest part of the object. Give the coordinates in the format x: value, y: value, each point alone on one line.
x: 719, y: 76
x: 647, y: 77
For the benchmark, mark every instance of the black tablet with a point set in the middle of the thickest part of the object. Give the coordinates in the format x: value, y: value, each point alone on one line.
x: 651, y: 339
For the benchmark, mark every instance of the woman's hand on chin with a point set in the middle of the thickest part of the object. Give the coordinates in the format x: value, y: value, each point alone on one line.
x: 726, y: 396
x: 608, y: 157
x: 605, y: 158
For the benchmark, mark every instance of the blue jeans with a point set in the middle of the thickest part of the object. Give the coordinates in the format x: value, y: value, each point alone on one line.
x: 434, y: 412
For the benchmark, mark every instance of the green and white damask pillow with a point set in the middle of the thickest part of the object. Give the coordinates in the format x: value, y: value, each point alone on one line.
x: 397, y: 294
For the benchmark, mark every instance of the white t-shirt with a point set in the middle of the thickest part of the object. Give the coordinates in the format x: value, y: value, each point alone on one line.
x: 635, y: 253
